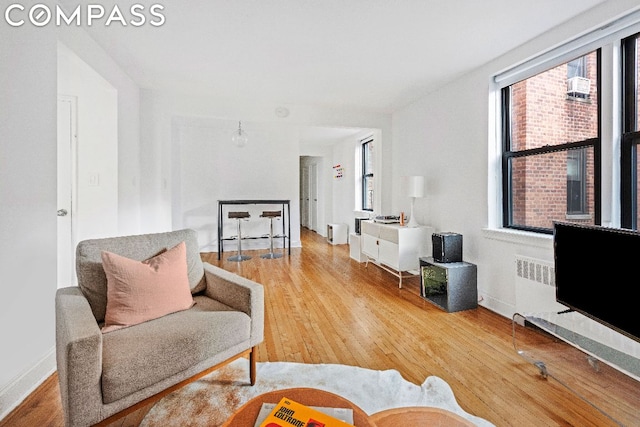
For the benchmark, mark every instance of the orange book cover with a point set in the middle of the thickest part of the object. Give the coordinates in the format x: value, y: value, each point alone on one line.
x: 289, y: 413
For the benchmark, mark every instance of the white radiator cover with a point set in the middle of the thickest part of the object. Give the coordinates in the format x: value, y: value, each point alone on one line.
x: 535, y: 281
x: 536, y: 295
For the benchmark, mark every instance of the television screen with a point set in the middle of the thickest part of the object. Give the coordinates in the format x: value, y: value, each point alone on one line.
x: 597, y: 274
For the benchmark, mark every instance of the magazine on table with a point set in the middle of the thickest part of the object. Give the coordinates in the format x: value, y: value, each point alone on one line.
x: 288, y: 413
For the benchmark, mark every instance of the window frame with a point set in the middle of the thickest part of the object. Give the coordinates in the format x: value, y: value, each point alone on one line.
x: 607, y: 37
x: 630, y: 133
x: 366, y: 174
x: 581, y: 161
x: 581, y: 67
x: 507, y: 154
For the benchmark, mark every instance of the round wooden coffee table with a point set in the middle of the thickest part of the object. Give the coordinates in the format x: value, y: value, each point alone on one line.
x: 246, y: 415
x: 418, y: 416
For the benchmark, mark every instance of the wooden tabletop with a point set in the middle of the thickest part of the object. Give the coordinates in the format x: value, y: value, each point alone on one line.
x: 418, y: 416
x: 246, y: 415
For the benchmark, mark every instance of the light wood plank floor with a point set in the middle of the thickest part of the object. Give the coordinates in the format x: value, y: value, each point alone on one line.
x: 323, y: 307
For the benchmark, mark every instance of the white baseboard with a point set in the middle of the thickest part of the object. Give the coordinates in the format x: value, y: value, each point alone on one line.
x: 497, y: 306
x: 18, y: 390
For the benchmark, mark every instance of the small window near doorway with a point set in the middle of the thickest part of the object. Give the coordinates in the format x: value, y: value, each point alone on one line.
x: 368, y: 158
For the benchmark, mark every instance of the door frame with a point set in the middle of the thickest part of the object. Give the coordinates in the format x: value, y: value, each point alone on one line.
x: 313, y: 196
x: 71, y: 204
x: 304, y: 197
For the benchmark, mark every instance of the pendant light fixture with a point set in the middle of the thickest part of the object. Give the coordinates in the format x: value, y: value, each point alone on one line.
x: 239, y: 137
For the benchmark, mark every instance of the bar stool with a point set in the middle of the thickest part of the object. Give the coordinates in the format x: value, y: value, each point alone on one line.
x: 271, y: 215
x: 239, y: 216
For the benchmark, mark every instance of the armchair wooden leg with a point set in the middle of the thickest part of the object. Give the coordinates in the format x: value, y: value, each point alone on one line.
x: 252, y: 366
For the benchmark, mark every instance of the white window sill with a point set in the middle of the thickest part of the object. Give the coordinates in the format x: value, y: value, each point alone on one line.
x: 519, y: 237
x: 363, y: 214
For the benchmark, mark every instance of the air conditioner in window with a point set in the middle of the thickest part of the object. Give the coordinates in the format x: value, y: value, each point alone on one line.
x: 578, y: 85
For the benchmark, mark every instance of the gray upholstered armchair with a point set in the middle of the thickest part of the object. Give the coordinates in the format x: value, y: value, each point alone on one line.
x: 103, y: 376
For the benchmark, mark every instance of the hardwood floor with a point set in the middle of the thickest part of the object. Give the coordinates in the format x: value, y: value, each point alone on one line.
x: 323, y: 307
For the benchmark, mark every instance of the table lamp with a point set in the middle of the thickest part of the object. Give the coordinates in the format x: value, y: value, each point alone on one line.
x: 413, y: 187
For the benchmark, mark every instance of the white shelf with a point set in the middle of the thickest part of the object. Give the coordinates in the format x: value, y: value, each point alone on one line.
x: 337, y: 234
x: 355, y: 248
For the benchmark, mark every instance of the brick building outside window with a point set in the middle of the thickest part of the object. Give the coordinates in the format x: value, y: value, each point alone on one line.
x: 551, y: 146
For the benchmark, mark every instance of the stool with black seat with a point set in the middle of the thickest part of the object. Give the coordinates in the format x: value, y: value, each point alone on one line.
x: 239, y: 216
x: 271, y: 215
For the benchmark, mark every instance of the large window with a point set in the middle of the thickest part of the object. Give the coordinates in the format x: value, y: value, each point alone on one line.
x: 367, y: 174
x: 568, y: 133
x: 551, y: 146
x: 631, y: 133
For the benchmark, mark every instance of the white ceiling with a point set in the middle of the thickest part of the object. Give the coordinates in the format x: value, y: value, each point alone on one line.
x: 373, y: 54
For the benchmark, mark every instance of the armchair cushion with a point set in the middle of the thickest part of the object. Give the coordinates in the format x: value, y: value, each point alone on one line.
x: 141, y: 291
x: 138, y: 357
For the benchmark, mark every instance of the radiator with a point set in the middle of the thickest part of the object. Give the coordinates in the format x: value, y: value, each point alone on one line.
x: 535, y: 286
x: 536, y: 295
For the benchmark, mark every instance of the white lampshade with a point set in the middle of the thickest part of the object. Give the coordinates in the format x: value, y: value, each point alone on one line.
x: 413, y: 186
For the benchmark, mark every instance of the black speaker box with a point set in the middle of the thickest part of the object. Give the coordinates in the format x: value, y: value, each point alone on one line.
x: 447, y: 247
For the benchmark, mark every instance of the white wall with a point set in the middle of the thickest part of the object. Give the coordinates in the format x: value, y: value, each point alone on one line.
x: 267, y: 167
x: 28, y: 210
x: 96, y: 214
x: 207, y: 167
x: 28, y: 124
x: 155, y: 170
x: 445, y: 136
x: 99, y: 73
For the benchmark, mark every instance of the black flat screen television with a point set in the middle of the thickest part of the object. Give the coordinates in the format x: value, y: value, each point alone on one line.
x: 597, y: 272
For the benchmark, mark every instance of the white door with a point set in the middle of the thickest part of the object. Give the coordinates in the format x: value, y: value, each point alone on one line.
x: 66, y: 189
x: 304, y: 197
x: 313, y: 197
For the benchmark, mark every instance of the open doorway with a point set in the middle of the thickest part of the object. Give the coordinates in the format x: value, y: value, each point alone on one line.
x: 310, y: 200
x: 327, y: 196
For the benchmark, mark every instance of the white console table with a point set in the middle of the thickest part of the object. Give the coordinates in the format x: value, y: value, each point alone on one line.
x: 394, y: 248
x: 594, y: 362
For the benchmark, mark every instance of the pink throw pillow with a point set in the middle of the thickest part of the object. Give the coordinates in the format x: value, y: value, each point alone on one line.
x: 138, y: 291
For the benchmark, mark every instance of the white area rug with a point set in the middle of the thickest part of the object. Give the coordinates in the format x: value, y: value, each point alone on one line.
x: 212, y: 399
